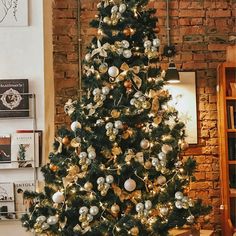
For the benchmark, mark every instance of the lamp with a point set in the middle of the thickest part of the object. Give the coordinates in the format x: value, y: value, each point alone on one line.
x: 172, y: 75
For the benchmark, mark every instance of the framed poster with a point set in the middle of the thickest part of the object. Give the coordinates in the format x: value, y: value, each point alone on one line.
x: 184, y: 100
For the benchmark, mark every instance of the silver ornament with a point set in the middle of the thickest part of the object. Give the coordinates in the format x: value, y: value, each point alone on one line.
x: 185, y: 199
x: 99, y: 122
x: 127, y: 53
x: 45, y: 226
x: 115, y: 131
x: 179, y: 195
x: 83, y: 210
x: 118, y: 124
x: 147, y: 44
x: 139, y: 207
x: 105, y: 90
x: 109, y: 125
x: 145, y: 144
x: 93, y: 210
x: 179, y: 204
x: 92, y: 155
x: 109, y: 179
x: 132, y: 101
x: 113, y: 71
x: 138, y: 94
x: 156, y: 42
x: 52, y: 220
x: 119, y: 51
x: 125, y: 43
x: 155, y: 162
x: 118, y: 15
x: 106, y: 187
x: 41, y: 219
x: 89, y: 218
x: 83, y: 155
x: 87, y: 57
x: 122, y: 8
x: 161, y: 180
x: 88, y: 162
x: 130, y: 185
x: 190, y: 219
x: 148, y: 204
x: 114, y: 9
x: 100, y: 180
x: 162, y: 156
x: 96, y: 91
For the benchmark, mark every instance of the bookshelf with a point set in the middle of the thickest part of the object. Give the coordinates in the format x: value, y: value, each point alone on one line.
x: 227, y: 144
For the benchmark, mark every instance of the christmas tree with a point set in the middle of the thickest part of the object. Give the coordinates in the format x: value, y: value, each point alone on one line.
x: 118, y: 169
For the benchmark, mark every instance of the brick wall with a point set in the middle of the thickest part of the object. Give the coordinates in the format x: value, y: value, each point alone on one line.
x: 200, y: 30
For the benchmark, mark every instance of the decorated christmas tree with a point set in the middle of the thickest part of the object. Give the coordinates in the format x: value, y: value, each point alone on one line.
x: 118, y: 169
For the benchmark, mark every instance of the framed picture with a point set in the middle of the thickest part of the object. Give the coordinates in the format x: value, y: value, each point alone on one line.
x: 184, y: 100
x: 13, y: 12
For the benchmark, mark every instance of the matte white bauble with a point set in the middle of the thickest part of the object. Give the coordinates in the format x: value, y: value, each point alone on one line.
x: 179, y: 204
x: 122, y: 8
x: 190, y: 219
x: 93, y: 210
x: 145, y: 144
x: 138, y: 94
x: 100, y: 180
x: 118, y: 124
x: 109, y: 179
x: 132, y: 101
x: 148, y: 204
x: 139, y: 207
x: 105, y: 90
x: 52, y: 220
x: 109, y: 125
x: 179, y: 195
x: 75, y: 125
x: 119, y: 51
x: 147, y: 44
x: 161, y: 180
x: 83, y: 155
x: 115, y: 131
x: 127, y: 53
x: 166, y: 148
x: 92, y: 155
x: 87, y: 57
x: 58, y: 197
x: 41, y: 219
x: 113, y: 71
x: 162, y: 156
x: 155, y: 162
x: 83, y: 210
x: 45, y: 226
x: 125, y: 43
x: 114, y: 9
x: 96, y: 91
x: 156, y: 42
x: 130, y: 185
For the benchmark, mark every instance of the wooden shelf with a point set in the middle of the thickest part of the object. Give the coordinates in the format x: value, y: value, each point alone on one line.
x: 232, y: 192
x: 231, y: 130
x: 230, y: 98
x: 232, y: 162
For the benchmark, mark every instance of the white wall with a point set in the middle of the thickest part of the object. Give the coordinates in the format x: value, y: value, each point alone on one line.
x: 22, y: 56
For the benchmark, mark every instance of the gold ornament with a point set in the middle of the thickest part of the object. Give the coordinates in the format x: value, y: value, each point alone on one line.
x: 134, y: 231
x: 103, y: 193
x: 88, y: 186
x: 128, y: 31
x: 148, y: 165
x: 116, y: 151
x: 125, y: 135
x: 66, y: 141
x: 146, y: 104
x: 128, y: 84
x: 84, y: 167
x: 53, y: 167
x: 103, y: 68
x: 157, y: 120
x: 85, y: 224
x: 184, y: 145
x: 115, y: 114
x: 82, y: 218
x: 112, y: 138
x: 115, y: 208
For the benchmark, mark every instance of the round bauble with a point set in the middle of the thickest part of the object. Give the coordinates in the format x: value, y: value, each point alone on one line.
x: 83, y: 210
x: 134, y: 231
x: 103, y: 193
x: 184, y: 145
x: 148, y: 165
x: 52, y: 220
x: 146, y: 105
x: 58, y: 197
x: 113, y: 71
x: 145, y: 144
x: 148, y: 204
x: 115, y: 131
x: 109, y: 125
x: 130, y: 185
x: 161, y: 180
x: 100, y: 180
x: 190, y: 202
x: 179, y: 204
x: 92, y: 155
x: 125, y: 43
x: 112, y: 138
x: 118, y: 124
x: 45, y: 226
x: 96, y: 91
x: 114, y: 9
x: 122, y: 8
x: 190, y: 219
x: 106, y: 187
x: 109, y: 179
x: 53, y: 167
x: 114, y: 21
x: 85, y: 224
x: 164, y: 210
x: 88, y: 186
x: 103, y: 68
x: 87, y: 57
x: 166, y: 148
x: 147, y: 44
x: 106, y: 20
x: 155, y: 162
x: 185, y: 205
x: 93, y: 210
x: 156, y: 42
x: 128, y: 84
x: 162, y: 156
x: 41, y: 219
x: 115, y: 113
x: 127, y: 53
x: 82, y: 218
x: 105, y: 90
x: 66, y: 141
x: 179, y: 195
x: 75, y: 125
x: 115, y: 208
x: 83, y: 155
x: 139, y: 207
x: 89, y: 218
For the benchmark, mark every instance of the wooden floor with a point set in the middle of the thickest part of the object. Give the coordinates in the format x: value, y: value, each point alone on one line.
x: 188, y: 232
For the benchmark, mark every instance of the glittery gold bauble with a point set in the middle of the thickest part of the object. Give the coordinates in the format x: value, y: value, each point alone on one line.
x: 82, y: 218
x: 53, y: 167
x: 103, y: 193
x: 85, y: 224
x: 146, y: 105
x: 115, y: 113
x: 115, y: 208
x: 103, y: 67
x: 84, y: 167
x: 114, y: 21
x: 112, y: 138
x: 66, y: 141
x: 106, y: 19
x: 116, y: 151
x: 134, y: 231
x: 88, y: 186
x: 148, y: 165
x: 100, y: 187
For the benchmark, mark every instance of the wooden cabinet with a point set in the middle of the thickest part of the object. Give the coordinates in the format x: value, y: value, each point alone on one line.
x: 227, y: 144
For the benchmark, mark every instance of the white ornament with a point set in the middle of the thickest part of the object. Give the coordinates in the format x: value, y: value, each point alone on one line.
x: 190, y: 219
x: 118, y: 124
x: 130, y: 185
x: 179, y: 195
x: 114, y: 9
x: 139, y: 207
x: 75, y: 125
x: 41, y: 219
x: 100, y: 180
x: 122, y: 8
x: 166, y: 148
x: 92, y: 155
x: 109, y: 179
x: 132, y: 101
x: 87, y: 57
x: 115, y: 131
x: 45, y: 226
x: 83, y: 210
x: 93, y: 210
x: 147, y: 44
x: 125, y: 43
x: 106, y: 187
x: 148, y: 204
x: 162, y: 156
x: 109, y: 125
x: 127, y: 53
x: 96, y: 91
x: 145, y: 144
x: 83, y: 155
x: 52, y: 220
x: 113, y: 71
x: 89, y: 218
x: 179, y: 204
x: 155, y: 162
x: 58, y: 197
x: 105, y: 90
x: 156, y: 42
x: 138, y: 94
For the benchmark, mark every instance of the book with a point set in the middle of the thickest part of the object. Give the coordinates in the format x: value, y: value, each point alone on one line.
x: 232, y: 119
x: 23, y: 204
x: 24, y: 150
x: 7, y: 206
x: 14, y: 98
x: 5, y: 150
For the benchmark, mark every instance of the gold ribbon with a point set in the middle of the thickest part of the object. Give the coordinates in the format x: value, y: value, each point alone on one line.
x: 78, y: 228
x: 89, y: 70
x: 138, y: 156
x: 123, y: 195
x: 59, y: 149
x: 101, y: 49
x: 69, y: 107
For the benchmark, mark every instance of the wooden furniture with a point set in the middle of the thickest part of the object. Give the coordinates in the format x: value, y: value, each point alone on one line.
x: 227, y: 145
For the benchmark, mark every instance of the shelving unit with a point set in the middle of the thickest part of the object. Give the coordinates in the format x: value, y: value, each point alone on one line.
x: 9, y: 173
x: 227, y: 145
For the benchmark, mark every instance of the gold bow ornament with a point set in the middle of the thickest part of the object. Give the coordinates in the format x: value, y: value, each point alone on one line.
x: 101, y: 49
